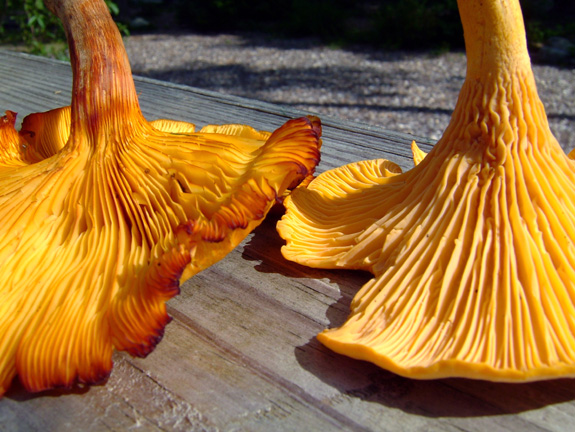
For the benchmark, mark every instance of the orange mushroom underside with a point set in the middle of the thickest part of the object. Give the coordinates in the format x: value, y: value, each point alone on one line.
x: 473, y: 250
x: 104, y: 213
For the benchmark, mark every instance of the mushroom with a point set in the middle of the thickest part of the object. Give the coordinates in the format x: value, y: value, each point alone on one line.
x: 48, y: 132
x: 472, y: 250
x: 104, y: 214
x: 11, y: 144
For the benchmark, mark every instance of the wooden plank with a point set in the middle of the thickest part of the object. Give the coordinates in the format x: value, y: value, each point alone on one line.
x: 241, y: 352
x: 272, y: 323
x: 34, y: 84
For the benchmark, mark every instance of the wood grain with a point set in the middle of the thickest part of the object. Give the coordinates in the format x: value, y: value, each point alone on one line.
x: 241, y: 352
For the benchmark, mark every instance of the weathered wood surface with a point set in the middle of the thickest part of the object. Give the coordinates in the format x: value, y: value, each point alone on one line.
x: 241, y: 352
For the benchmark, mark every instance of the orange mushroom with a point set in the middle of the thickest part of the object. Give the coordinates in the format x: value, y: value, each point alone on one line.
x: 473, y: 250
x: 11, y: 144
x: 103, y: 213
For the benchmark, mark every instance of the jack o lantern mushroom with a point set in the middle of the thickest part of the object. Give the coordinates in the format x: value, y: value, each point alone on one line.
x: 103, y: 213
x: 472, y: 250
x: 11, y: 144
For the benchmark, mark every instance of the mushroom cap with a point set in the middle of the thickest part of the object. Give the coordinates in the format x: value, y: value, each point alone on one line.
x: 473, y: 250
x: 136, y: 221
x: 104, y: 214
x: 12, y: 146
x: 323, y: 221
x: 45, y: 133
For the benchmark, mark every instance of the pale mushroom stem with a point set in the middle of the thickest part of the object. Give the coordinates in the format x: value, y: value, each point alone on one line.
x: 498, y: 108
x: 103, y: 91
x: 471, y: 250
x: 494, y: 37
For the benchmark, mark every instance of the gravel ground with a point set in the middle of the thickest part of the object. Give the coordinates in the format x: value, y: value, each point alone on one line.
x: 406, y: 92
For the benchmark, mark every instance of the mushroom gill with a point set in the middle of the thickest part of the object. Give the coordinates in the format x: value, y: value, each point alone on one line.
x: 12, y: 146
x: 104, y: 214
x: 472, y: 250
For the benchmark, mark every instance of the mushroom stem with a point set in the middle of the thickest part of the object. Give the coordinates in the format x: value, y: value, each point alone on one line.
x: 472, y: 251
x: 103, y: 89
x: 498, y: 110
x: 494, y: 37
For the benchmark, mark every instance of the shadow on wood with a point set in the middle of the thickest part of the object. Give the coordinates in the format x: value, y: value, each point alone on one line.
x: 363, y: 380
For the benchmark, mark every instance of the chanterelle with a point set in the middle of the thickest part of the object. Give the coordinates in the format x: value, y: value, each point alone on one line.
x: 98, y: 228
x: 473, y: 250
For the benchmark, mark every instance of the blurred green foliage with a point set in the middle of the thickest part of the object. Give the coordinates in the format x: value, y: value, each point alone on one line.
x: 545, y: 19
x: 30, y: 23
x: 322, y: 18
x: 387, y: 24
x: 414, y: 24
x: 390, y: 24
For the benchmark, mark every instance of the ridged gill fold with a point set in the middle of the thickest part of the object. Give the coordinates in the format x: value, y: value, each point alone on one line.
x: 104, y: 214
x: 472, y: 250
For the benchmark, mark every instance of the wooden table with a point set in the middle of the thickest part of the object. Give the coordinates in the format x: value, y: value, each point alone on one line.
x: 241, y: 352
